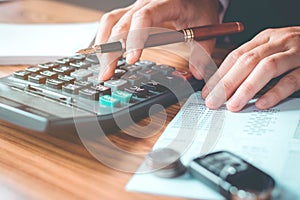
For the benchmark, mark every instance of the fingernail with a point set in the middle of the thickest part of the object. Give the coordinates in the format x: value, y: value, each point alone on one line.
x: 234, y: 104
x: 204, y: 92
x: 211, y: 102
x: 131, y: 57
x: 262, y: 103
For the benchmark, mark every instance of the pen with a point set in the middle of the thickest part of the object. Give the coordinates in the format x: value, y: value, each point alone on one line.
x: 195, y: 33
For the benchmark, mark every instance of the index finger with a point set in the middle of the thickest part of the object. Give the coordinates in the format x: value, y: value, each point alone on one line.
x: 107, y: 21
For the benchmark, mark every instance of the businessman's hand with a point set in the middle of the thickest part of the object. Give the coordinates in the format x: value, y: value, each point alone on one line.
x: 250, y: 67
x: 175, y: 14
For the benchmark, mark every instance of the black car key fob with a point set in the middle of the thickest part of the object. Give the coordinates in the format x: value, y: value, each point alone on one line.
x: 232, y: 176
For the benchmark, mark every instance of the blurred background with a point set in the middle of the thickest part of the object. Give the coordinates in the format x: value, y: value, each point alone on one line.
x: 102, y: 5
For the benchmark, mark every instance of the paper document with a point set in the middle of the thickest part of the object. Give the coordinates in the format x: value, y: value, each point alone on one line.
x: 36, y: 43
x: 269, y: 139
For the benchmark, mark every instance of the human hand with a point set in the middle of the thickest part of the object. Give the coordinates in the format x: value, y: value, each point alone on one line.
x: 250, y: 67
x: 176, y: 14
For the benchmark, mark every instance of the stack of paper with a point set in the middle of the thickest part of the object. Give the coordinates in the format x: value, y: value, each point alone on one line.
x: 269, y: 139
x: 36, y: 43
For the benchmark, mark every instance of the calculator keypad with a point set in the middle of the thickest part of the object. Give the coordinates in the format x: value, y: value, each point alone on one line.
x: 77, y: 76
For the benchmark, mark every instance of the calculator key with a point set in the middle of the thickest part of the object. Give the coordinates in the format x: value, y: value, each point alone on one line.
x: 33, y: 70
x: 83, y: 84
x: 185, y: 75
x: 138, y: 92
x: 154, y: 86
x: 95, y: 80
x: 133, y: 79
x: 64, y: 61
x: 89, y: 94
x: 81, y: 65
x: 123, y: 96
x: 21, y: 74
x: 48, y: 65
x: 121, y: 62
x: 55, y: 84
x: 116, y: 84
x: 163, y: 69
x: 95, y: 69
x: 78, y: 57
x: 65, y: 70
x: 81, y: 74
x: 103, y: 90
x: 148, y: 73
x: 145, y: 64
x: 118, y: 73
x: 37, y: 78
x: 92, y: 58
x: 71, y: 89
x: 49, y: 74
x: 66, y: 79
x: 170, y: 81
x: 131, y: 68
x: 109, y: 101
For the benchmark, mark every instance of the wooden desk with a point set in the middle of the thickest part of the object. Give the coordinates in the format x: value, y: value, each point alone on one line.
x: 40, y: 166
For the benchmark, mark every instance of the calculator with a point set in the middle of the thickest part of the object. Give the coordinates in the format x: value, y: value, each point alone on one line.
x: 54, y: 96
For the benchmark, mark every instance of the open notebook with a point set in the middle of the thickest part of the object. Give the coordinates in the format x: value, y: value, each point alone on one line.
x: 37, y: 43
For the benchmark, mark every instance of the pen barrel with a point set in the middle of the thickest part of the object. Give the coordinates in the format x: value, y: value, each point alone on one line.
x: 196, y: 33
x: 111, y: 47
x: 164, y: 38
x: 185, y: 35
x: 212, y: 31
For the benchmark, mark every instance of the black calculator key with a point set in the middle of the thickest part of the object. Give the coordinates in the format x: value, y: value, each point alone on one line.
x: 78, y: 57
x: 145, y: 64
x: 148, y: 73
x: 95, y: 69
x: 164, y: 69
x: 65, y: 61
x: 133, y: 79
x: 92, y: 58
x: 121, y: 62
x: 138, y: 92
x: 185, y: 75
x: 170, y: 81
x: 116, y: 84
x: 37, y: 78
x: 21, y: 74
x: 103, y: 90
x: 84, y: 84
x: 154, y: 86
x: 71, y: 89
x: 49, y: 74
x: 89, y: 94
x: 94, y: 80
x: 33, y: 69
x: 67, y: 79
x: 48, y: 65
x: 131, y: 68
x: 55, y: 84
x: 65, y: 70
x: 118, y: 74
x: 81, y: 74
x: 81, y: 65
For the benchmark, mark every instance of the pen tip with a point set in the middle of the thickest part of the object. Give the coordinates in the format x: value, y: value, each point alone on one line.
x: 86, y: 51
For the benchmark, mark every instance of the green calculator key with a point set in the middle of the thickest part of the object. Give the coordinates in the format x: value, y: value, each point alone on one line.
x: 109, y: 101
x: 123, y: 96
